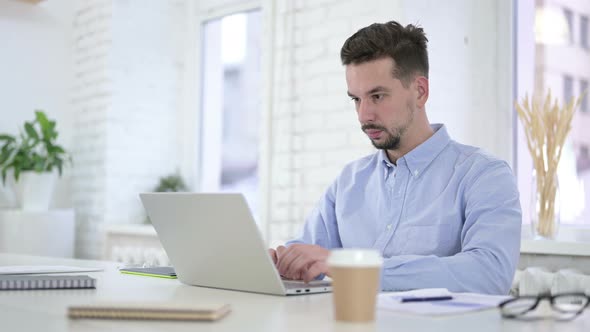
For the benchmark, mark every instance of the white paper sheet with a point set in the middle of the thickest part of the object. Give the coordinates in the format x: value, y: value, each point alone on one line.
x: 44, y: 269
x: 461, y: 302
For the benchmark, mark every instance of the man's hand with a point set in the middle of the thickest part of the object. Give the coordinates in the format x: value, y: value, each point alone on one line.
x: 302, y: 261
x: 273, y: 255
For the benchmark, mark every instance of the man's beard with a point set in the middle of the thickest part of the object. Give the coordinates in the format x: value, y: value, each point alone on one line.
x: 393, y: 139
x: 394, y: 135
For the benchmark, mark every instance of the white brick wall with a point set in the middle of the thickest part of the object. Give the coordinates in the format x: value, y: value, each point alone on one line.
x: 92, y: 98
x: 312, y: 117
x: 128, y: 64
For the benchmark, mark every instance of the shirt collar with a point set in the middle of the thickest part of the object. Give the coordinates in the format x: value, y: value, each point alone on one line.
x: 421, y: 156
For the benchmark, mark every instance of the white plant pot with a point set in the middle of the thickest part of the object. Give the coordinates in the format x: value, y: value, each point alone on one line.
x: 34, y: 191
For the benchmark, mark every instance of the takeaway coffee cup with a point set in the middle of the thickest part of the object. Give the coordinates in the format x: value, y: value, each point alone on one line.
x: 355, y: 283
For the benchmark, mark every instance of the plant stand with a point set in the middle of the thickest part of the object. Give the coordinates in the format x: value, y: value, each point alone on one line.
x: 48, y: 233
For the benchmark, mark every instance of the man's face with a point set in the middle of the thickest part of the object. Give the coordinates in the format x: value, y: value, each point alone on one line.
x: 384, y: 107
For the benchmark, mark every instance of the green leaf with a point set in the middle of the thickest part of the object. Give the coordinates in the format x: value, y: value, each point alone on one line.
x: 42, y: 119
x: 3, y: 157
x: 12, y: 156
x: 16, y: 173
x: 55, y: 149
x: 7, y: 138
x: 51, y: 130
x: 31, y: 131
x: 39, y: 164
x: 6, y: 146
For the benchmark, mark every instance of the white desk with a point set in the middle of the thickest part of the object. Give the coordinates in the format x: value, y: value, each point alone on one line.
x: 46, y: 310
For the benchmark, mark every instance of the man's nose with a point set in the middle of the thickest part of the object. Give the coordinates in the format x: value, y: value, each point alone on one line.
x: 365, y: 112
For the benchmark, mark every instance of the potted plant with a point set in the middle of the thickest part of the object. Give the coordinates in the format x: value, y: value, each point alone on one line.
x: 33, y: 159
x: 171, y: 183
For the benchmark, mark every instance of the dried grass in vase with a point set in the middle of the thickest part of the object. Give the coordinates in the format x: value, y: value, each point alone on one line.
x: 546, y: 126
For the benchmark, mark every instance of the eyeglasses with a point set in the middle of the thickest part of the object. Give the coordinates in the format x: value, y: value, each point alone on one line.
x: 566, y: 306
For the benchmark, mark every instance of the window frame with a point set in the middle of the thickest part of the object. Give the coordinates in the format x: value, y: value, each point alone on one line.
x: 584, y: 85
x: 584, y: 43
x: 569, y: 15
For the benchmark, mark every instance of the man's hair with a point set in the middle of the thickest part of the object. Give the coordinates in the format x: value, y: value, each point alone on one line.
x: 405, y: 45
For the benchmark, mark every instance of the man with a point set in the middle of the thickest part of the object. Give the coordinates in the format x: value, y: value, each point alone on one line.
x: 442, y: 214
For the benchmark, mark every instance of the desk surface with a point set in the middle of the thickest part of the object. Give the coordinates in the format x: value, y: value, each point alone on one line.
x: 45, y: 310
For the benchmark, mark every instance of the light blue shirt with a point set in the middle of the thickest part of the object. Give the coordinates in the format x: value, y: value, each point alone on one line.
x: 447, y: 215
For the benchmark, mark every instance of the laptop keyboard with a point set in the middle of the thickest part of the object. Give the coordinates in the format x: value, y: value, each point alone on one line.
x: 293, y: 284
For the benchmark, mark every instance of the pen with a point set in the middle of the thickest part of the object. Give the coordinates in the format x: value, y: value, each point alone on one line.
x: 427, y: 298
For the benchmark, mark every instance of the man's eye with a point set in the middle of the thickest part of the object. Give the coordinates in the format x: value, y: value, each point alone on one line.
x: 355, y: 99
x: 377, y: 97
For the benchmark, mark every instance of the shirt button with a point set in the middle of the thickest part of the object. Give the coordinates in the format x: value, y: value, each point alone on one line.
x: 389, y: 227
x: 416, y: 172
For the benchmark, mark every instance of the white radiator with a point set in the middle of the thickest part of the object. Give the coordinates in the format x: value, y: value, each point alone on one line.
x: 538, y: 280
x: 132, y: 255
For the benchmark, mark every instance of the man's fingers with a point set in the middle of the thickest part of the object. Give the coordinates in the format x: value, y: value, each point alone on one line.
x: 314, y: 270
x: 295, y: 261
x: 297, y: 266
x: 273, y: 255
x: 283, y: 260
x: 297, y: 258
x: 279, y: 254
x: 284, y: 257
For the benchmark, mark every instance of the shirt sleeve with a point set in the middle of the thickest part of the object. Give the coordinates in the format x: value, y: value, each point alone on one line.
x: 321, y: 227
x: 490, y: 243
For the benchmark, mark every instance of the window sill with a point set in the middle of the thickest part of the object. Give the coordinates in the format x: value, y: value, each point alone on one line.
x: 554, y: 247
x: 130, y: 229
x: 571, y: 241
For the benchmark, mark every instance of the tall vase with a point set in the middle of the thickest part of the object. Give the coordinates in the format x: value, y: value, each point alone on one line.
x: 545, y: 206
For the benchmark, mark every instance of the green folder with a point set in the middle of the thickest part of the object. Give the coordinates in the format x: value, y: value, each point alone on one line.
x: 157, y: 271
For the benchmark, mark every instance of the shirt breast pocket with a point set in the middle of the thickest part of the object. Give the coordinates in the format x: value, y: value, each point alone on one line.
x: 438, y: 239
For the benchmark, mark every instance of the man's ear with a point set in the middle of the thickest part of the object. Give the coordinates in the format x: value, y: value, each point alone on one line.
x: 422, y: 89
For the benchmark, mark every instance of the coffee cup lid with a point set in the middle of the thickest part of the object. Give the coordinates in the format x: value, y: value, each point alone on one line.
x: 355, y: 258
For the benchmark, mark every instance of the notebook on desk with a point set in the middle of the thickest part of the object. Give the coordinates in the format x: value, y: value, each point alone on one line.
x: 149, y: 311
x: 31, y: 282
x: 155, y: 271
x: 212, y: 240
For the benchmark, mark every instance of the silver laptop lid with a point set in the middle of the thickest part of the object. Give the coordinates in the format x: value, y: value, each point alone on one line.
x: 212, y: 240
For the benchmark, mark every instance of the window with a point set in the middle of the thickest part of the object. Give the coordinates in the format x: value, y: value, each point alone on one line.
x: 584, y: 89
x: 568, y: 88
x: 543, y: 63
x: 584, y: 32
x: 569, y: 17
x: 583, y: 162
x: 230, y: 105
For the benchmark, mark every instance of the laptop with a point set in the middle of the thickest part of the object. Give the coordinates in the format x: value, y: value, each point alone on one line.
x: 212, y: 241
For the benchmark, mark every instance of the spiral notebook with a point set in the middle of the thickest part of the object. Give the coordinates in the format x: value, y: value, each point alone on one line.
x: 30, y: 282
x: 149, y: 311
